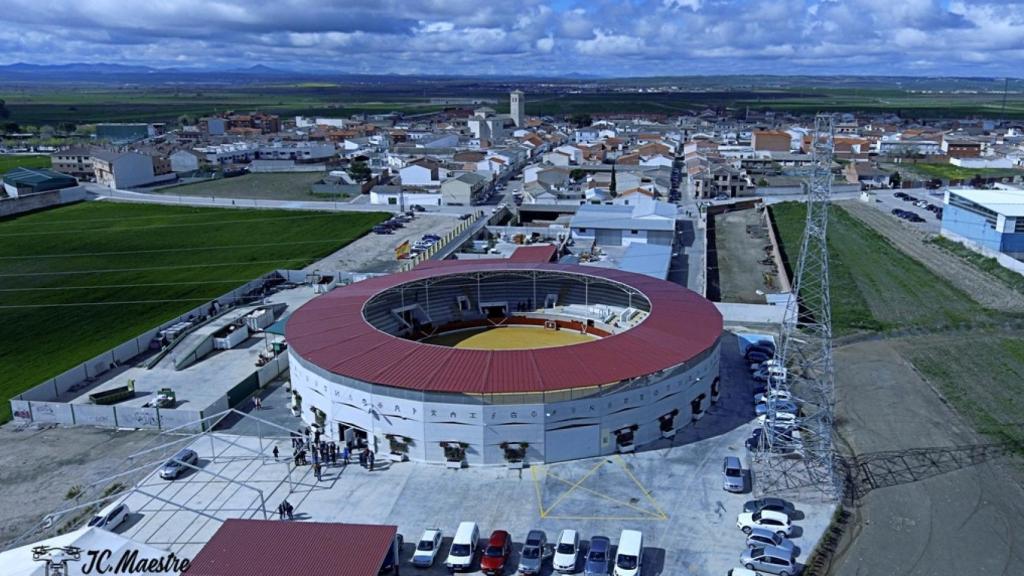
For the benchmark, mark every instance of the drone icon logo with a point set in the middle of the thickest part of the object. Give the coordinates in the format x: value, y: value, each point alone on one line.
x: 57, y: 558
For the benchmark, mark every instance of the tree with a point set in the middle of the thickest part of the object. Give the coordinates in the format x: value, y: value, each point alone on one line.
x: 359, y: 171
x: 611, y: 187
x: 4, y: 112
x: 581, y: 120
x: 577, y: 174
x: 895, y: 180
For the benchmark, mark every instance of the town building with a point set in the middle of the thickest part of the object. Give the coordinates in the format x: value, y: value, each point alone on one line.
x: 74, y: 161
x: 24, y: 181
x: 987, y: 220
x: 463, y: 190
x: 517, y: 108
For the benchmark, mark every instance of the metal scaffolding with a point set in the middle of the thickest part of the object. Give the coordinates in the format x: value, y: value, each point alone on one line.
x: 800, y: 453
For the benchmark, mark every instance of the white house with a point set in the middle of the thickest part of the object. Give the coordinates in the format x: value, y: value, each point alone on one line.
x: 425, y: 172
x: 650, y: 222
x: 125, y: 169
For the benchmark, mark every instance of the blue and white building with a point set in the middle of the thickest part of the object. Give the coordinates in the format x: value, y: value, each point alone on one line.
x: 989, y: 220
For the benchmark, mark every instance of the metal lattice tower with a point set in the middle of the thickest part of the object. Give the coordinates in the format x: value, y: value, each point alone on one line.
x: 800, y: 453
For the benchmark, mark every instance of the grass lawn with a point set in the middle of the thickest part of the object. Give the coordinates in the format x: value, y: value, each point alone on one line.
x: 276, y: 186
x: 950, y: 172
x: 874, y: 285
x: 77, y: 281
x: 8, y: 162
x: 981, y: 374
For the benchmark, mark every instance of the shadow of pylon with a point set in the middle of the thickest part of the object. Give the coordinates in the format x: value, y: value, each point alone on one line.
x: 870, y: 471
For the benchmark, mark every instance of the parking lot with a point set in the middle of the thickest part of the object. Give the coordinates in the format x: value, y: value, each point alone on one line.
x: 673, y: 494
x: 887, y: 201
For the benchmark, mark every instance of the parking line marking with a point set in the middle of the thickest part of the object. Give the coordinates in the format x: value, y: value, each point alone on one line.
x: 641, y: 486
x: 659, y: 515
x: 576, y: 485
x: 536, y: 486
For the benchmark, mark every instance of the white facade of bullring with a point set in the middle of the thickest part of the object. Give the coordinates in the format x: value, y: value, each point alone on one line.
x: 558, y: 426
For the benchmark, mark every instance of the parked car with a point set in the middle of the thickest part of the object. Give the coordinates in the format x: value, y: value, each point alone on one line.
x: 768, y: 503
x: 762, y: 537
x: 111, y: 519
x: 756, y: 357
x: 179, y: 464
x: 786, y: 442
x: 784, y: 419
x: 783, y: 406
x: 733, y: 479
x: 390, y: 563
x: 433, y: 237
x: 777, y: 522
x: 567, y: 549
x: 741, y: 572
x: 531, y: 558
x: 418, y: 208
x: 777, y: 394
x: 463, y: 548
x: 629, y: 557
x: 599, y: 556
x: 762, y: 349
x: 426, y: 548
x: 768, y: 559
x: 495, y: 557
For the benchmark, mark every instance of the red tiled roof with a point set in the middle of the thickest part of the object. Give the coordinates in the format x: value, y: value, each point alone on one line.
x: 275, y: 548
x: 537, y: 253
x: 331, y: 333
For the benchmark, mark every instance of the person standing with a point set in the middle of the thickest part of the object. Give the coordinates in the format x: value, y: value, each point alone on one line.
x: 344, y: 455
x: 276, y: 452
x: 369, y: 457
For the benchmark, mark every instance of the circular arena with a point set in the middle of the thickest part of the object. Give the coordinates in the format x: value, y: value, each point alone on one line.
x: 488, y: 362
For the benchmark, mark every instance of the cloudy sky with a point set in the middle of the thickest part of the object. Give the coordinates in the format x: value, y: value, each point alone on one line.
x: 608, y: 38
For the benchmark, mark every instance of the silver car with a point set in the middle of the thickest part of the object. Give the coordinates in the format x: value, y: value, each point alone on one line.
x: 732, y: 474
x: 769, y: 559
x: 534, y: 551
x: 179, y: 464
x: 763, y: 537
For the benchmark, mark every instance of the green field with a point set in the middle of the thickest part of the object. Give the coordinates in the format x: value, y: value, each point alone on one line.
x: 874, y: 286
x: 36, y: 106
x: 79, y: 280
x: 950, y: 172
x: 277, y: 186
x: 982, y: 378
x: 34, y: 161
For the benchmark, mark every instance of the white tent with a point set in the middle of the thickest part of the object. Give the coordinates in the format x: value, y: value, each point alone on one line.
x: 20, y: 562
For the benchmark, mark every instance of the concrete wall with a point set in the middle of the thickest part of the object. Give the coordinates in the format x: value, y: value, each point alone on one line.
x: 92, y: 415
x: 40, y: 201
x: 137, y: 417
x: 550, y: 423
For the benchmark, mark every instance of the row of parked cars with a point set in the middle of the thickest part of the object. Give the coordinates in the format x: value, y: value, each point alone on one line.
x: 764, y: 366
x: 767, y: 524
x: 911, y: 216
x: 394, y: 223
x: 565, y: 552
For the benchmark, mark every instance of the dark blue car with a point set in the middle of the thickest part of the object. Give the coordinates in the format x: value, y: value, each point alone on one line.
x: 598, y: 557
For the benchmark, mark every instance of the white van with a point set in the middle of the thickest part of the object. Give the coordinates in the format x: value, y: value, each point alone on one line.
x: 630, y: 554
x: 463, y: 549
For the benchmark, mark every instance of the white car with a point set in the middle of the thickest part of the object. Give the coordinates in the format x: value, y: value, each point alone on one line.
x: 426, y: 548
x: 567, y: 550
x: 777, y: 394
x: 777, y: 522
x: 782, y: 419
x: 111, y: 519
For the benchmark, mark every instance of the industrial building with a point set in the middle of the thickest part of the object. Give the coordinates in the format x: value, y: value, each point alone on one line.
x: 23, y: 181
x: 992, y: 220
x: 475, y: 361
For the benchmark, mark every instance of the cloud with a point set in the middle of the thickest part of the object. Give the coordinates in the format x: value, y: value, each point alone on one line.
x: 610, y: 37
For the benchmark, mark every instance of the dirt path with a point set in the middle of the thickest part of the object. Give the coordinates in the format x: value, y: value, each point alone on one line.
x: 982, y: 287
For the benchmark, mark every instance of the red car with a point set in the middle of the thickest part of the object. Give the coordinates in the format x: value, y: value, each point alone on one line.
x: 496, y: 554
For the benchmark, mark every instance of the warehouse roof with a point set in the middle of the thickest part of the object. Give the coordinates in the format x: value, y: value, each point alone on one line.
x: 645, y: 216
x: 535, y: 253
x: 38, y: 176
x: 331, y: 333
x: 1005, y: 202
x: 268, y: 548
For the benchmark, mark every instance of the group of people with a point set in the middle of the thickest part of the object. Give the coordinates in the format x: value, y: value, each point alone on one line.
x: 285, y: 510
x: 308, y: 448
